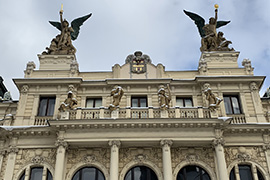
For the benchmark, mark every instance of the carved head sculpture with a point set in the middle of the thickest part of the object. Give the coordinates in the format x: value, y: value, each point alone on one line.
x: 65, y: 23
x: 212, y: 20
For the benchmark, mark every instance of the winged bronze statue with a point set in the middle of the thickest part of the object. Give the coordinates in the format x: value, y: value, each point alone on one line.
x: 211, y: 40
x: 200, y: 22
x: 62, y: 43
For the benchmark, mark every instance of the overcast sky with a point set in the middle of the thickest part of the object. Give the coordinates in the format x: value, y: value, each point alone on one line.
x: 117, y: 28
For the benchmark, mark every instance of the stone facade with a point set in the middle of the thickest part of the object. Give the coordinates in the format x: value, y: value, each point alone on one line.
x: 115, y: 141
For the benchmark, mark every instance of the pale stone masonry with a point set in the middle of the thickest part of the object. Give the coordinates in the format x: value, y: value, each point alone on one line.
x: 35, y: 134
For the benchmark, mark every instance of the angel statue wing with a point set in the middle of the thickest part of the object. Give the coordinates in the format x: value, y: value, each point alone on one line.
x: 199, y: 21
x: 222, y: 23
x: 56, y: 24
x: 76, y: 23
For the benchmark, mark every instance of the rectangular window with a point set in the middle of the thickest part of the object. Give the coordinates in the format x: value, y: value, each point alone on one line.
x: 184, y: 102
x: 46, y: 106
x: 138, y: 101
x: 93, y: 102
x: 232, y: 104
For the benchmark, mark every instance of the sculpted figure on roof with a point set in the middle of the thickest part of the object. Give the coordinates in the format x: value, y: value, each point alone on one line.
x: 211, y: 40
x: 62, y: 43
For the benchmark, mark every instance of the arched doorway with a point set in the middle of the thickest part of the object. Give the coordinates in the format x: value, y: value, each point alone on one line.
x: 141, y: 173
x: 193, y: 173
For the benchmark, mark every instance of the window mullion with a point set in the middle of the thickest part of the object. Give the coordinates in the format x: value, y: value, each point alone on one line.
x: 44, y: 173
x: 27, y: 173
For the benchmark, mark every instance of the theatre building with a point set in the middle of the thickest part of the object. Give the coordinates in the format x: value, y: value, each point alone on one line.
x: 137, y: 121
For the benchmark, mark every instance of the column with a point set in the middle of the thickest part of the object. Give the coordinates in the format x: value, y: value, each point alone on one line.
x: 221, y: 163
x: 166, y: 158
x: 60, y: 159
x: 12, y: 153
x: 266, y: 149
x: 2, y: 154
x: 114, y: 163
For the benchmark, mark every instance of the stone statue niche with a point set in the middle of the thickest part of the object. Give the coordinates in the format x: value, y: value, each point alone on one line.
x: 62, y: 43
x: 164, y: 98
x: 213, y: 100
x: 69, y: 103
x: 211, y: 40
x: 117, y: 92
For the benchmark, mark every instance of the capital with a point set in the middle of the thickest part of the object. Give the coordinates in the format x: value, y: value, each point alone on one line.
x: 13, y: 149
x: 166, y: 142
x: 115, y: 143
x: 61, y: 142
x: 266, y: 147
x: 218, y: 141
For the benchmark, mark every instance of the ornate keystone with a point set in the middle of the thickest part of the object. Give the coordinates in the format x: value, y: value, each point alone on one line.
x: 37, y: 160
x: 89, y: 158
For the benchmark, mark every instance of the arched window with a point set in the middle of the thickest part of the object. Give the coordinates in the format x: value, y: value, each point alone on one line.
x: 36, y: 173
x: 88, y: 173
x: 245, y: 173
x: 141, y: 173
x: 192, y: 173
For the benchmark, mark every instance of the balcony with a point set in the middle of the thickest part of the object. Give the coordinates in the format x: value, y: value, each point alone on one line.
x: 139, y: 113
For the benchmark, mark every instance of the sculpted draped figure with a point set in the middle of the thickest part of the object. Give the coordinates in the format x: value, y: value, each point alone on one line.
x: 213, y: 100
x: 211, y: 40
x: 69, y: 103
x: 62, y: 43
x: 164, y: 98
x: 117, y: 93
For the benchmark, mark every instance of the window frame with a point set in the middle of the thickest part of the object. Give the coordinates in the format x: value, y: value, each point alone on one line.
x: 251, y: 166
x: 80, y: 173
x: 28, y: 170
x: 139, y: 101
x: 48, y: 98
x: 184, y: 103
x: 94, y: 102
x: 230, y: 96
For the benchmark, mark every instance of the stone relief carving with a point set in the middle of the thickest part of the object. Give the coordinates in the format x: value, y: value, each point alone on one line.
x: 202, y: 66
x: 253, y: 86
x: 88, y: 156
x: 193, y: 156
x: 74, y: 67
x: 38, y: 156
x: 243, y: 154
x: 24, y: 89
x: 139, y: 156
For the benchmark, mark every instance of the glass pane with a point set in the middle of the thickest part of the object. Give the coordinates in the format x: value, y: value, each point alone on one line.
x: 98, y: 103
x: 141, y: 173
x: 188, y: 103
x: 42, y: 107
x: 134, y: 102
x: 179, y: 102
x: 51, y: 104
x: 143, y: 102
x: 232, y: 175
x: 192, y: 173
x: 260, y: 176
x: 23, y: 176
x: 228, y: 106
x: 90, y: 103
x: 88, y: 173
x: 245, y: 172
x: 36, y: 173
x: 49, y: 175
x: 236, y: 108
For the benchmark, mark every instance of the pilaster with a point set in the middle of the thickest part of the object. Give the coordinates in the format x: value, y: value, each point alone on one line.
x: 114, y: 163
x: 61, y: 145
x: 12, y: 153
x: 166, y: 158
